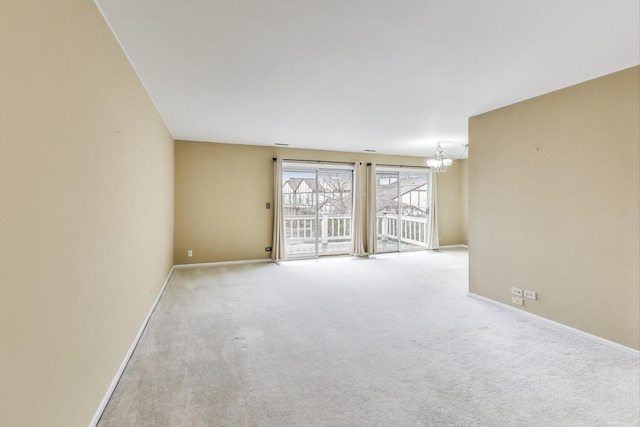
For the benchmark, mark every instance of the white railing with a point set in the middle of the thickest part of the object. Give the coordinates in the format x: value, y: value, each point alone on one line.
x: 414, y: 229
x: 302, y: 228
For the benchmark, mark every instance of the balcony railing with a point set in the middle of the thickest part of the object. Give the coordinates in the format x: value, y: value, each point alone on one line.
x: 302, y: 228
x: 414, y: 229
x: 334, y: 228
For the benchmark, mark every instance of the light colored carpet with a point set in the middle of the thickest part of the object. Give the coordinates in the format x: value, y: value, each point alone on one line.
x: 388, y: 341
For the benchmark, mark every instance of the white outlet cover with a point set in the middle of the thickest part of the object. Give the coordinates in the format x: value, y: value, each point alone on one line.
x: 516, y: 291
x: 530, y: 294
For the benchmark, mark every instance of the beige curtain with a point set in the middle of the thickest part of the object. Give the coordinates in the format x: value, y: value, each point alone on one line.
x: 433, y: 239
x: 277, y: 249
x: 357, y: 237
x: 372, y: 211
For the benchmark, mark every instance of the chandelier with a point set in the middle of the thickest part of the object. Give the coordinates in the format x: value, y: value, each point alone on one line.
x: 440, y: 163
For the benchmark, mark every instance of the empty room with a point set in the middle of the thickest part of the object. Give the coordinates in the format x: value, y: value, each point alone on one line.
x: 320, y: 213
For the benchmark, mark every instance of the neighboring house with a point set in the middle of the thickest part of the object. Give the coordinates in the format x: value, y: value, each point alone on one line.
x: 333, y: 196
x: 299, y: 196
x: 413, y: 197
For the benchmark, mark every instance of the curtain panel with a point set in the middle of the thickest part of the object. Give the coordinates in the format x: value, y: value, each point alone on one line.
x: 372, y: 214
x: 433, y: 239
x: 357, y: 237
x: 277, y: 248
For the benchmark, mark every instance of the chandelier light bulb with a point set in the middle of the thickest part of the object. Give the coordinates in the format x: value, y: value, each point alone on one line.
x: 440, y: 164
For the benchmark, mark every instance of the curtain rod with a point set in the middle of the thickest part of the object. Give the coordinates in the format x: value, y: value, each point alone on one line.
x: 400, y: 166
x: 317, y: 161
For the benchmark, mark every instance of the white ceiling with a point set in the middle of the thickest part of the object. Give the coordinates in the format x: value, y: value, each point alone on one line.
x: 350, y: 75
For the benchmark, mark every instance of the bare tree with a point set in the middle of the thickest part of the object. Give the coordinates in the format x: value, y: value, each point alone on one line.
x: 335, y: 193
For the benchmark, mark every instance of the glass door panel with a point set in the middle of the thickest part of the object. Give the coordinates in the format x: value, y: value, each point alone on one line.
x: 299, y: 203
x: 402, y: 209
x: 387, y: 220
x: 335, y: 206
x: 317, y: 206
x: 413, y: 211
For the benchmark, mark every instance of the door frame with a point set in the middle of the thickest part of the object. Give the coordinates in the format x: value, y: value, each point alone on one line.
x: 399, y: 171
x: 317, y: 168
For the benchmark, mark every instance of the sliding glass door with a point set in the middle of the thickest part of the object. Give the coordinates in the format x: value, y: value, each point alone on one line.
x: 402, y: 210
x: 317, y: 207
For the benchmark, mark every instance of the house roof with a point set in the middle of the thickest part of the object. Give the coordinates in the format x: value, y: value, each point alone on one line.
x: 294, y: 183
x: 387, y: 194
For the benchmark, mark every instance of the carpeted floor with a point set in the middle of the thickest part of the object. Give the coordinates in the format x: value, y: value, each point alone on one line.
x: 389, y: 341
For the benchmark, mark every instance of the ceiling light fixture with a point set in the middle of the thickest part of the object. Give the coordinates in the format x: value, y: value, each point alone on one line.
x: 440, y: 163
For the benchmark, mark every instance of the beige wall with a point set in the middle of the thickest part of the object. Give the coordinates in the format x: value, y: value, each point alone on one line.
x: 464, y: 194
x: 221, y: 191
x: 86, y: 210
x: 554, y: 205
x: 450, y: 205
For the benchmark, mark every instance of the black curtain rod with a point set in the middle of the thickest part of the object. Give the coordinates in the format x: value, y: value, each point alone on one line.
x: 317, y: 161
x: 400, y: 166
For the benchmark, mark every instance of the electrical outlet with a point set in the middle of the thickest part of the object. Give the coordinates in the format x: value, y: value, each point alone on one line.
x: 516, y: 291
x: 189, y: 253
x: 517, y: 301
x: 530, y: 294
x: 267, y: 249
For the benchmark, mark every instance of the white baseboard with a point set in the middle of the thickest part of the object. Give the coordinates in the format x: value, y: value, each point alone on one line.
x: 213, y: 264
x: 123, y: 365
x: 595, y: 338
x: 419, y: 250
